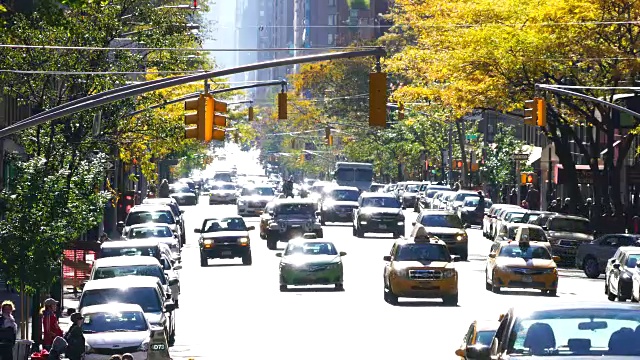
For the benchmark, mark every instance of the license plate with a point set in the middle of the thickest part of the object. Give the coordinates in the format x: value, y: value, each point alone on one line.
x: 382, y: 226
x: 527, y: 278
x: 226, y: 253
x: 157, y: 347
x: 342, y: 215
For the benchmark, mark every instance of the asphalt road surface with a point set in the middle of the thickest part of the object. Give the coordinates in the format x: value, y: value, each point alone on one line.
x: 230, y: 311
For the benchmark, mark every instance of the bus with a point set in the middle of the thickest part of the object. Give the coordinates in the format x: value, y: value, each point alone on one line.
x: 359, y: 175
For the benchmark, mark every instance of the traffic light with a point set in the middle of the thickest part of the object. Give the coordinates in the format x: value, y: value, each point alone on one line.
x: 531, y: 112
x: 282, y: 106
x: 378, y: 99
x: 328, y: 137
x: 219, y: 120
x: 541, y: 107
x: 250, y: 113
x: 400, y: 111
x: 202, y: 118
x: 527, y: 178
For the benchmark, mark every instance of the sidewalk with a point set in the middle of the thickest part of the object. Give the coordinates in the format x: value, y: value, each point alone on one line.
x: 69, y: 301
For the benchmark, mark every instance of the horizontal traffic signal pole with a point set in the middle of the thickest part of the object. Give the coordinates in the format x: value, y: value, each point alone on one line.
x: 103, y: 99
x: 217, y: 91
x: 555, y: 89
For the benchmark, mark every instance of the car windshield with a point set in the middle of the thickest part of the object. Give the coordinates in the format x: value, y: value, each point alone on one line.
x: 149, y: 232
x: 346, y: 174
x: 569, y: 225
x: 632, y: 261
x: 422, y: 252
x: 431, y: 193
x: 135, y: 270
x: 442, y: 220
x: 156, y: 216
x: 295, y: 209
x: 259, y: 191
x: 222, y: 177
x: 311, y: 248
x: 224, y: 224
x: 146, y: 297
x: 516, y: 219
x: 176, y: 189
x: 130, y: 251
x: 225, y: 187
x: 114, y: 322
x: 384, y: 202
x: 344, y: 195
x: 525, y: 252
x: 412, y: 188
x: 575, y: 331
x: 485, y: 337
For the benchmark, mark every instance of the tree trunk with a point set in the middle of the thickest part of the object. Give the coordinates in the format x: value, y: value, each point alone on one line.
x: 463, y: 141
x: 564, y: 156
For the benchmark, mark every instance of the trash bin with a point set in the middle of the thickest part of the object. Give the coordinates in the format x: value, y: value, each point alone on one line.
x: 22, y: 349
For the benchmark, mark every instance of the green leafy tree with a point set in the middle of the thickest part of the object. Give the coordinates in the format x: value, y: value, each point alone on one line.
x: 498, y: 168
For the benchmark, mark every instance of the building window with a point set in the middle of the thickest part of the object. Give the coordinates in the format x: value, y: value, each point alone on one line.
x: 332, y: 2
x: 331, y: 39
x: 333, y: 20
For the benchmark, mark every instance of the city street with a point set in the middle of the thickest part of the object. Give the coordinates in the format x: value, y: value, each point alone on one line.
x: 234, y: 311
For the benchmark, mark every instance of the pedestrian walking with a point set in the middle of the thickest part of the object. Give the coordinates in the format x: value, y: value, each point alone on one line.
x: 163, y: 190
x: 533, y: 198
x: 8, y: 331
x: 50, y: 326
x: 75, y: 338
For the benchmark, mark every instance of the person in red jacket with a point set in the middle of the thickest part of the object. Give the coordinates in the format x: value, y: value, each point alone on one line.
x: 50, y: 326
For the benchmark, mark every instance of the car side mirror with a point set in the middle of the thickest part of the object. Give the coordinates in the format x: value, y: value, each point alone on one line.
x: 197, y: 230
x: 251, y: 228
x: 342, y: 253
x: 466, y: 226
x: 168, y: 295
x: 177, y: 267
x: 492, y: 255
x: 386, y: 258
x: 279, y: 254
x: 413, y: 223
x: 616, y: 266
x: 556, y: 258
x: 461, y: 353
x: 455, y: 258
x: 404, y: 207
x: 181, y: 211
x: 478, y: 352
x: 174, y: 282
x: 169, y: 306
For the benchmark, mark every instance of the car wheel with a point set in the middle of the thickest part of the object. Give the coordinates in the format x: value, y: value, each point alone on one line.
x: 552, y: 292
x: 272, y: 244
x: 246, y: 259
x: 396, y: 235
x: 494, y: 287
x: 354, y: 231
x: 451, y: 300
x: 390, y: 297
x: 359, y: 233
x: 172, y: 337
x: 283, y: 288
x: 464, y: 255
x: 339, y: 287
x: 591, y: 268
x: 203, y: 260
x: 611, y: 296
x: 177, y: 303
x: 320, y: 234
x: 323, y: 222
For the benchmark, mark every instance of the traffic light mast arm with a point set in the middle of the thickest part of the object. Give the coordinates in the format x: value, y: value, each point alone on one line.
x: 110, y: 96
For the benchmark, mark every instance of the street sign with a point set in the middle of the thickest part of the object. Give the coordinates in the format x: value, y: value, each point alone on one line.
x: 520, y: 157
x: 108, y: 165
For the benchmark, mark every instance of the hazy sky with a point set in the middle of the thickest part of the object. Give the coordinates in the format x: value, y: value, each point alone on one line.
x: 222, y: 14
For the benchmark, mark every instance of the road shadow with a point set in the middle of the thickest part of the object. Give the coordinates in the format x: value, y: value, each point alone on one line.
x: 532, y: 293
x: 225, y: 265
x: 417, y: 303
x: 312, y: 290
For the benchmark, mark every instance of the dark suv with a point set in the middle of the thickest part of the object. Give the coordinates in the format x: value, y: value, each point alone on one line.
x: 338, y: 204
x: 224, y: 238
x: 378, y: 213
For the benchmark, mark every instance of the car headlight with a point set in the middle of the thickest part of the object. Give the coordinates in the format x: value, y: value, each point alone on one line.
x: 208, y: 242
x: 243, y: 241
x: 400, y: 272
x: 145, y: 345
x: 548, y: 271
x: 461, y: 237
x: 449, y: 273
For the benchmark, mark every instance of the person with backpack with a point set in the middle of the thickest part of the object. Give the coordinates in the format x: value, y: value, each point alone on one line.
x: 75, y: 338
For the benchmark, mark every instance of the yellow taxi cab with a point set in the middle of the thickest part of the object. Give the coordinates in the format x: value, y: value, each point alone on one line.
x: 479, y: 333
x: 420, y: 267
x: 522, y: 264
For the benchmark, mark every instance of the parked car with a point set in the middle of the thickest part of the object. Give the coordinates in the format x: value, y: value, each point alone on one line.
x: 592, y: 257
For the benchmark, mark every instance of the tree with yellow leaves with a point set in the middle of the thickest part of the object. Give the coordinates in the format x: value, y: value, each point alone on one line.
x: 482, y: 54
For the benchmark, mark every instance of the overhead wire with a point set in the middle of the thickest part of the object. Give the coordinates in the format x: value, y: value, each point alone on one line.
x: 101, y: 48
